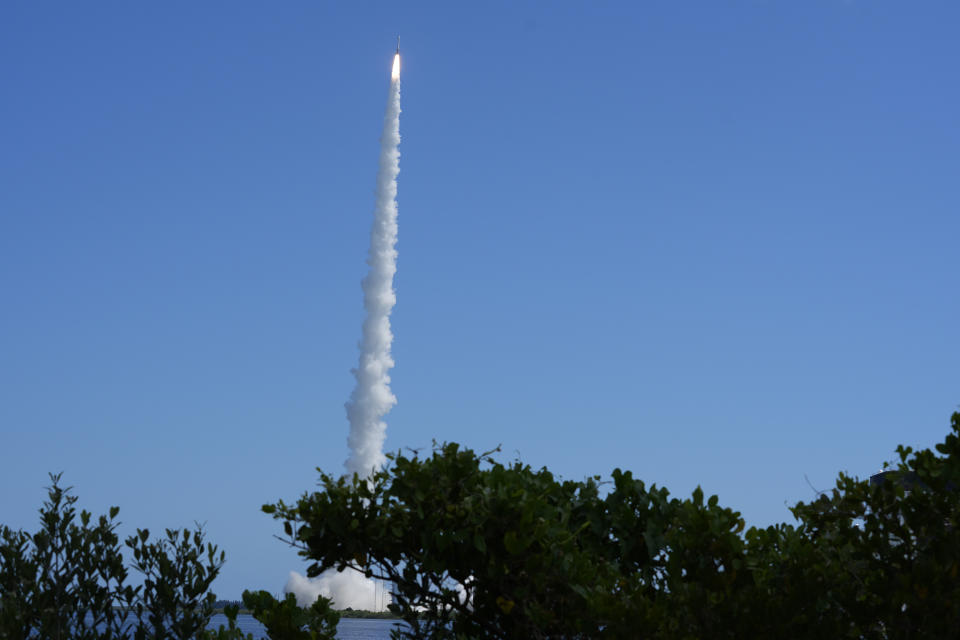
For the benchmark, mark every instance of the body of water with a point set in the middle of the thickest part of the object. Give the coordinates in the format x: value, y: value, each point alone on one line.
x: 348, y: 629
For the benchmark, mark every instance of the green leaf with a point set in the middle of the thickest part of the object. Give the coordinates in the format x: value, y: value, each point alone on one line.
x: 511, y: 543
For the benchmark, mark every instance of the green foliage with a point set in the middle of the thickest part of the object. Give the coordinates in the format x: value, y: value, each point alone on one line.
x: 506, y: 536
x: 178, y: 570
x: 478, y: 549
x: 69, y: 580
x: 285, y: 620
x: 66, y: 580
x: 888, y: 554
x: 475, y: 548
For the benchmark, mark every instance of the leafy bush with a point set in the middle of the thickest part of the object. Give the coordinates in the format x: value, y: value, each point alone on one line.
x: 477, y: 549
x: 285, y: 620
x: 69, y: 580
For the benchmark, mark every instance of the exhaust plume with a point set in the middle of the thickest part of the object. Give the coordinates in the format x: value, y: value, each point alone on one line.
x: 371, y: 398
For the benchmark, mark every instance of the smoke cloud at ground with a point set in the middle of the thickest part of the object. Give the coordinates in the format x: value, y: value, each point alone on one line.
x: 346, y: 589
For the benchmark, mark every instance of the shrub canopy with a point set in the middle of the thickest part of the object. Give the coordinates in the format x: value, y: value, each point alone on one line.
x: 474, y: 548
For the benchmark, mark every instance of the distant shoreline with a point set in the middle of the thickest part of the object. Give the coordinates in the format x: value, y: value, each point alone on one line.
x: 344, y: 613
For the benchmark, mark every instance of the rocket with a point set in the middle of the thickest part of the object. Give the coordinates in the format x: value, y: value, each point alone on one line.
x: 398, y: 45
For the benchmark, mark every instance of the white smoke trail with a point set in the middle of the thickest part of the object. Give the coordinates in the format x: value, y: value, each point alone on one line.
x: 371, y: 398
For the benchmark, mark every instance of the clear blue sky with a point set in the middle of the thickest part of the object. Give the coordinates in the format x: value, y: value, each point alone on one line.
x: 711, y: 242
